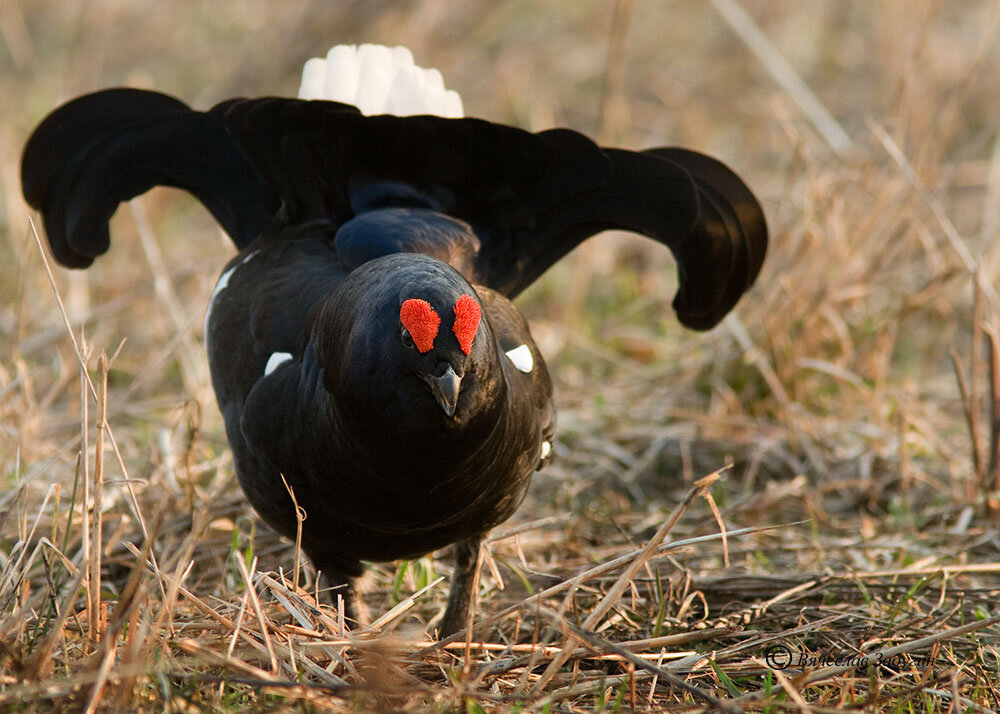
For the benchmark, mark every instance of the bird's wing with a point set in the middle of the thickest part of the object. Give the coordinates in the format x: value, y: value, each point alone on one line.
x: 98, y: 150
x: 530, y: 198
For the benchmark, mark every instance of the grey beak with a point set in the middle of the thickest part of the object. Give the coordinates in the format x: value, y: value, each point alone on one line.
x: 445, y: 389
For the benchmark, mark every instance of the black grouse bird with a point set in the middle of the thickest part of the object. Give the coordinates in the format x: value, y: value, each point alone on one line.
x: 362, y: 343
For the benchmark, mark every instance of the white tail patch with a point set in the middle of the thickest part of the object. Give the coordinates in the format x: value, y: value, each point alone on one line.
x: 275, y: 360
x: 522, y: 358
x: 378, y: 80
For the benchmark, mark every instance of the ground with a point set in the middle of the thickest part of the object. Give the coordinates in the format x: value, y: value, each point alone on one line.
x: 846, y: 557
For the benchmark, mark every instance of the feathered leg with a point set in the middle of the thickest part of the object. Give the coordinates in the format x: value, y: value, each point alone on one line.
x: 462, y: 585
x: 340, y: 580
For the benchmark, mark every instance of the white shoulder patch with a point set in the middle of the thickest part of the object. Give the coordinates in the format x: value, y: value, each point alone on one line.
x: 220, y: 286
x: 275, y: 360
x: 522, y: 358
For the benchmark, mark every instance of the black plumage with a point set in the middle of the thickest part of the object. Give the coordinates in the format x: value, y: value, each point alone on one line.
x: 398, y: 435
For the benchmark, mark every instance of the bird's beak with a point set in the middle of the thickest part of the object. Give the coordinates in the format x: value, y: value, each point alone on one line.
x: 445, y: 389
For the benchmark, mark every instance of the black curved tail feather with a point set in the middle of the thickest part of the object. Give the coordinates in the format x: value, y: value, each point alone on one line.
x: 689, y: 202
x: 96, y: 151
x: 723, y: 255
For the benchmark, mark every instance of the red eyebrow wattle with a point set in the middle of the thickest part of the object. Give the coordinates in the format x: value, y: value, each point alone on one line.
x: 420, y: 320
x: 467, y: 314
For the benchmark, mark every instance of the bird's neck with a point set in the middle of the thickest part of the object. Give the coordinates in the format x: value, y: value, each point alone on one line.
x: 367, y: 438
x: 433, y: 451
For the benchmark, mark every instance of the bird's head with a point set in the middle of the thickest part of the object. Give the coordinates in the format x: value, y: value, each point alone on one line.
x: 405, y: 342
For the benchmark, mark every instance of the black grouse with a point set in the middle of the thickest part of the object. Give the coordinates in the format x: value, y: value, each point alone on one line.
x: 363, y: 343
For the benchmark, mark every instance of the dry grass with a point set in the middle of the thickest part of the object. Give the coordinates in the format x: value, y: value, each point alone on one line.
x: 858, y: 519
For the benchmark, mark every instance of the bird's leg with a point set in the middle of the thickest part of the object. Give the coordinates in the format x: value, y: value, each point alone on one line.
x: 340, y: 590
x: 339, y: 577
x: 463, y: 583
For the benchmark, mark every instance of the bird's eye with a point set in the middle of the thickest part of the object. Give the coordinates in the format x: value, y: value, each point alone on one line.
x: 405, y: 338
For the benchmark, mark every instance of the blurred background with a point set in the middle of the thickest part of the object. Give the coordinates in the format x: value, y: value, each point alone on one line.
x: 869, y: 131
x: 878, y: 217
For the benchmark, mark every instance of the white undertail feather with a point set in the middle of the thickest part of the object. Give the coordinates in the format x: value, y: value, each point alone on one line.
x: 378, y: 80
